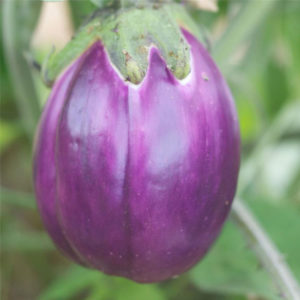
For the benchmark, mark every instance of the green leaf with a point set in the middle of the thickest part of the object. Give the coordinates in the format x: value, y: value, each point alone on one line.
x: 278, y: 170
x: 102, y: 3
x: 75, y: 280
x: 183, y: 18
x: 16, y: 39
x: 129, y: 290
x: 241, y: 28
x: 56, y: 63
x: 20, y: 240
x: 128, y: 45
x: 277, y: 89
x: 282, y: 222
x: 80, y: 10
x: 17, y: 198
x: 9, y: 131
x: 287, y: 120
x: 99, y: 286
x: 231, y: 267
x: 100, y: 291
x: 248, y: 104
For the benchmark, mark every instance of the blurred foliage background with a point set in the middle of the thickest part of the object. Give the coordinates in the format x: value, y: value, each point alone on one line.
x: 257, y: 45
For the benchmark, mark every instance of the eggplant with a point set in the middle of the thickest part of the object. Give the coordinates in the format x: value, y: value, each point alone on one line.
x: 136, y: 180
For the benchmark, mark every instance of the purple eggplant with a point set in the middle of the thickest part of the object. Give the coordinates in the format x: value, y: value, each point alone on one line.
x: 137, y: 180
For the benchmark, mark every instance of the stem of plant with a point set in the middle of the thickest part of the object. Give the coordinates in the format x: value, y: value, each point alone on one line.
x: 266, y: 251
x: 262, y: 245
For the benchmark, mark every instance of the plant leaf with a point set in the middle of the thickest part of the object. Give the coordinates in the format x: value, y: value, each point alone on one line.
x: 129, y: 290
x: 17, y: 198
x: 232, y: 268
x: 16, y: 41
x: 244, y: 24
x: 73, y: 281
x: 102, y: 3
x: 17, y: 240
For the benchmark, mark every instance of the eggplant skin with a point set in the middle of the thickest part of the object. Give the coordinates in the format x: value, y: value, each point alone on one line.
x: 137, y: 181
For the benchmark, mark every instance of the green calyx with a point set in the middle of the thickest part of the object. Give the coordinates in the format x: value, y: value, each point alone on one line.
x: 127, y: 35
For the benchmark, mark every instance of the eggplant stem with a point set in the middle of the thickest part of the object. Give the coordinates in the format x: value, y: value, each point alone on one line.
x: 266, y: 251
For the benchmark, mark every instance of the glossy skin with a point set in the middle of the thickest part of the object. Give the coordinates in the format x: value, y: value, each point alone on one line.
x: 137, y: 181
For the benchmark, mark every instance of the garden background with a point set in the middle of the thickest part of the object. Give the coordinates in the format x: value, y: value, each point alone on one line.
x: 256, y: 44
